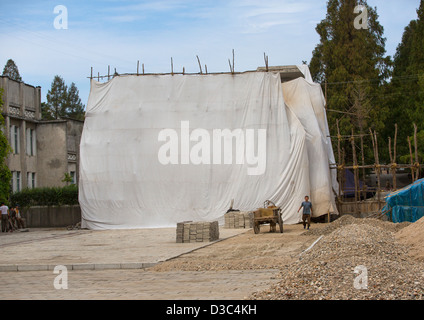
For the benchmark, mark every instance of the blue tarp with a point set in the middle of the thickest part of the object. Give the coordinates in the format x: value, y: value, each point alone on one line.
x: 406, y: 204
x: 348, y: 186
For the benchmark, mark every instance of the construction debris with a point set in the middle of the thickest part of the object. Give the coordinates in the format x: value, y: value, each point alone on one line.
x: 358, y: 259
x: 74, y: 227
x: 197, y: 231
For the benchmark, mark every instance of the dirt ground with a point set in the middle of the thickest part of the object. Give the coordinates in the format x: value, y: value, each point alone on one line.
x: 246, y: 251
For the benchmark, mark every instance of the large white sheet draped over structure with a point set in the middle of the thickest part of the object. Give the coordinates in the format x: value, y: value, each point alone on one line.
x: 154, y: 149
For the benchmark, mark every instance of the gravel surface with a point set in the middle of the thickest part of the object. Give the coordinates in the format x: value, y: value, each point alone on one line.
x: 247, y: 251
x: 327, y: 270
x: 347, y: 220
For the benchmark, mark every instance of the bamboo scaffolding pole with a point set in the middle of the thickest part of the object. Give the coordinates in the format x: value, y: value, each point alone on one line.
x: 394, y: 165
x: 345, y: 137
x: 343, y: 171
x: 266, y: 62
x: 172, y: 72
x: 344, y: 112
x: 339, y: 167
x: 233, y: 62
x: 372, y: 166
x: 360, y: 193
x: 411, y: 159
x: 200, y: 65
x: 417, y: 173
x: 355, y: 171
x: 364, y: 192
x: 378, y: 168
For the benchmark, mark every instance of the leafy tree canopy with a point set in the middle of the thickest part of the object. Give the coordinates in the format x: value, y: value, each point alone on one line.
x: 11, y: 70
x: 62, y: 101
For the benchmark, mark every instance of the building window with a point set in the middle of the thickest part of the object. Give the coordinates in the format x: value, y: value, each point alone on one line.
x: 31, y: 181
x: 31, y: 142
x: 14, y: 138
x: 72, y: 173
x: 16, y: 181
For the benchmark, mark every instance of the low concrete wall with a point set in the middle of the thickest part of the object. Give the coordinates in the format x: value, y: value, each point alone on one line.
x: 361, y: 209
x: 51, y: 217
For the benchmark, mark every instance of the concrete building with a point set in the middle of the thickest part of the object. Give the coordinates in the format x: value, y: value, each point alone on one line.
x: 43, y: 151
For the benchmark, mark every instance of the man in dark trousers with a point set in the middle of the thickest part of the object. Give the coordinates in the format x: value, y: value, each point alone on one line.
x: 4, y: 217
x: 307, y: 212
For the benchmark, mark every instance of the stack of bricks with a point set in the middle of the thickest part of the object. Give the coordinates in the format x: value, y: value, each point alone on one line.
x: 197, y: 231
x: 238, y: 220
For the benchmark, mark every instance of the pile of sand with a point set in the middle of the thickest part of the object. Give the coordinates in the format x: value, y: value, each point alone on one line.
x: 413, y: 237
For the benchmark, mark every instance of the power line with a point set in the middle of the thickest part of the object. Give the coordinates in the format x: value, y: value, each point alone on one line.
x: 410, y: 77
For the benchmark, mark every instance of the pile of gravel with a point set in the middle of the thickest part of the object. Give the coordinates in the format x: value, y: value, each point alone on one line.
x: 327, y: 271
x: 348, y: 220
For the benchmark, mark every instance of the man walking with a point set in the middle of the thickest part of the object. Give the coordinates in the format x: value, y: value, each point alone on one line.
x: 4, y: 217
x: 307, y: 212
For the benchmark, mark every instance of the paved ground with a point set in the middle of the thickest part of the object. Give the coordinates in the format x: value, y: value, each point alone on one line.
x: 135, y: 284
x: 123, y: 264
x: 41, y: 249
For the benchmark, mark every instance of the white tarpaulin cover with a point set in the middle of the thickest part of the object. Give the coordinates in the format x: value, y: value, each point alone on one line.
x: 161, y: 149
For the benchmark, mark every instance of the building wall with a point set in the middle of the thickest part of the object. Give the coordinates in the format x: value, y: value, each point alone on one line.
x: 74, y: 132
x: 47, y: 149
x: 52, y: 153
x: 21, y: 111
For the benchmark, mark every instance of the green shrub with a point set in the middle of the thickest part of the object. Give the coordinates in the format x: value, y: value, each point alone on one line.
x: 46, y: 196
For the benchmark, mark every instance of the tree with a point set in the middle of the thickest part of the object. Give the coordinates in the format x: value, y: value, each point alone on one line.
x: 352, y: 61
x: 5, y: 174
x: 46, y: 112
x: 62, y: 102
x: 406, y: 90
x: 56, y: 97
x: 11, y: 70
x: 74, y: 108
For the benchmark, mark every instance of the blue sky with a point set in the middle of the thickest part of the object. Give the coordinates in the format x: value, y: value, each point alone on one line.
x: 118, y: 33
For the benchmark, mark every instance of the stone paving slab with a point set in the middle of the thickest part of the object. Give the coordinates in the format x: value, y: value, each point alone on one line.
x: 113, y: 265
x: 136, y: 285
x: 43, y: 249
